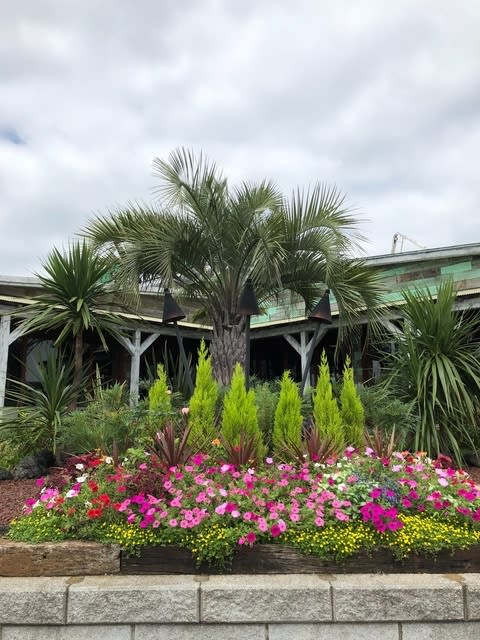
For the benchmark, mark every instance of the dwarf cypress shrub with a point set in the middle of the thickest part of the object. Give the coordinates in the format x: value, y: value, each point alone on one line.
x: 159, y: 395
x: 203, y: 402
x: 287, y: 428
x: 326, y: 414
x: 239, y: 416
x: 351, y: 408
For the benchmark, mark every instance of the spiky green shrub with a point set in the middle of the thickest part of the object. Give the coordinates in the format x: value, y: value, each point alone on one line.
x: 159, y: 394
x: 287, y: 428
x: 326, y: 414
x: 204, y: 400
x: 239, y: 416
x: 351, y: 409
x: 436, y: 365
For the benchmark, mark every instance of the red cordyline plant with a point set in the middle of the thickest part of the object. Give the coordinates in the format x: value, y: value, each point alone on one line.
x: 314, y: 448
x: 170, y: 449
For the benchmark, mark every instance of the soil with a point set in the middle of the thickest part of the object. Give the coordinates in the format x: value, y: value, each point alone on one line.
x: 13, y: 494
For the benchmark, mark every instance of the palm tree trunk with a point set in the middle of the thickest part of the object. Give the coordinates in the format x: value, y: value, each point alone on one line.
x: 227, y: 348
x: 77, y: 368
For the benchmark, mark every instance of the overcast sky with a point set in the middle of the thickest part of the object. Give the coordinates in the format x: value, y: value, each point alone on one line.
x: 380, y: 99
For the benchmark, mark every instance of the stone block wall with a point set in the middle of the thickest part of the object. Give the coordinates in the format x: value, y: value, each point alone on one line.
x: 273, y: 607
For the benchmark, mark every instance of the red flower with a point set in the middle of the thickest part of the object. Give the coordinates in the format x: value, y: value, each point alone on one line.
x: 94, y: 513
x: 92, y: 485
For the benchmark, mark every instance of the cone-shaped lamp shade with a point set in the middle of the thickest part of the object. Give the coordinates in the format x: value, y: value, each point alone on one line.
x: 248, y: 305
x: 171, y: 310
x: 322, y: 311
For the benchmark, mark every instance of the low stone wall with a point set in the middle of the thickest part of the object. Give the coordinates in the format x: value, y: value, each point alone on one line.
x: 274, y: 607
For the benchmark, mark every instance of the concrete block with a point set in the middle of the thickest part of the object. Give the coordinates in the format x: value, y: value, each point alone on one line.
x: 436, y: 630
x: 472, y: 584
x: 97, y: 632
x: 32, y: 600
x: 133, y: 599
x: 335, y: 631
x: 269, y: 598
x: 200, y: 632
x: 399, y: 597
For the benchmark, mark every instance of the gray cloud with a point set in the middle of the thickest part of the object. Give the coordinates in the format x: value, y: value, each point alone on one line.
x: 380, y: 99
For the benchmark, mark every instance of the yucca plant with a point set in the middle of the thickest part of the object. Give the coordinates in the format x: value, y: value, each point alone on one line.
x: 74, y: 288
x: 436, y: 364
x: 42, y: 409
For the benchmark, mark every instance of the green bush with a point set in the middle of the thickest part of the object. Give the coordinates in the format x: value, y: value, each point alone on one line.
x: 239, y: 416
x: 287, y: 429
x: 203, y: 402
x: 326, y: 414
x: 351, y: 409
x: 385, y: 412
x: 107, y: 424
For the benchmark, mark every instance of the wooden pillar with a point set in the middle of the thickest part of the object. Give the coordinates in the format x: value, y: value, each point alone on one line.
x: 303, y: 348
x: 4, y: 344
x: 135, y: 348
x: 6, y: 339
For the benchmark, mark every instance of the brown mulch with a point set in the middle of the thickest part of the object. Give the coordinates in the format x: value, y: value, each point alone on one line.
x: 13, y: 494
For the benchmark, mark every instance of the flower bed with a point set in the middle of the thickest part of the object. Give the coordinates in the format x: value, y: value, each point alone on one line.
x: 398, y: 507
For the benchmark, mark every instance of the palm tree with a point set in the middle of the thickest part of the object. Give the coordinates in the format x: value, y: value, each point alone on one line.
x: 73, y: 291
x: 437, y: 367
x: 206, y: 238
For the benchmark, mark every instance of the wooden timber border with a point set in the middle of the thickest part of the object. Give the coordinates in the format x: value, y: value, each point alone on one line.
x: 18, y: 559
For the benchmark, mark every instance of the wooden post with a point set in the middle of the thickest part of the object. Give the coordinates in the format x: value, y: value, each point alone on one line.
x: 6, y: 339
x: 4, y: 344
x: 305, y: 350
x: 136, y: 348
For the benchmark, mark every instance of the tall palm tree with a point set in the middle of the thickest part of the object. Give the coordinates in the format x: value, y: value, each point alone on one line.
x: 206, y: 238
x: 73, y: 291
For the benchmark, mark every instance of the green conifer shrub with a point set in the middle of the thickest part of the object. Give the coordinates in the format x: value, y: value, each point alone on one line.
x: 266, y: 399
x: 351, y: 409
x: 203, y: 402
x: 159, y: 395
x: 326, y: 414
x: 287, y: 428
x: 239, y: 416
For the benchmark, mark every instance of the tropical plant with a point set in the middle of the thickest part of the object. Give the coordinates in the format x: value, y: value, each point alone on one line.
x: 73, y: 300
x: 206, y: 238
x: 352, y: 413
x: 203, y: 403
x: 239, y: 416
x: 326, y: 414
x: 436, y: 365
x: 41, y: 410
x: 287, y: 427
